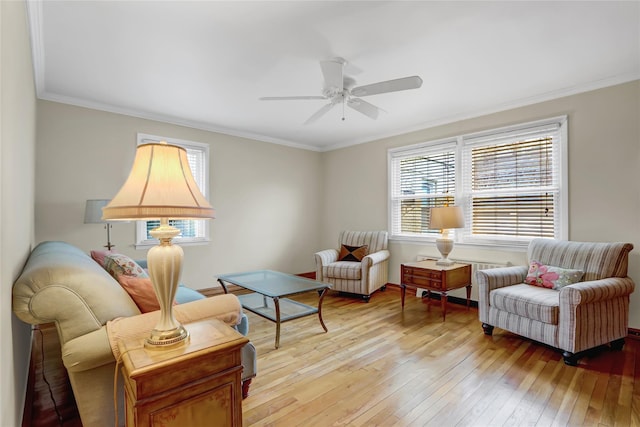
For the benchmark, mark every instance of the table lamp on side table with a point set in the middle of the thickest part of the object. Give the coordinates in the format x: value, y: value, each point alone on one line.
x: 161, y: 186
x: 445, y: 218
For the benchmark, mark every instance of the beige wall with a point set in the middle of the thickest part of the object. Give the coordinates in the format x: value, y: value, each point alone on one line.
x: 17, y: 146
x: 265, y: 195
x: 604, y: 178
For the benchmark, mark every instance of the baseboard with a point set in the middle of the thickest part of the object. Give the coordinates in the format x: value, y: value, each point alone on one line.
x: 450, y: 299
x: 634, y: 333
x: 311, y: 275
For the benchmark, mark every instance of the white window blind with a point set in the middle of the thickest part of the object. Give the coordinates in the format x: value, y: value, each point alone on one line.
x: 421, y: 178
x: 513, y: 184
x: 191, y: 231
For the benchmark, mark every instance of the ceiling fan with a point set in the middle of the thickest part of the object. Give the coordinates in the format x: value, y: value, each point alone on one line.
x: 339, y: 89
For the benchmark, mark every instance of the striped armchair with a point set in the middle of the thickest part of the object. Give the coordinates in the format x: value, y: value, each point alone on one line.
x: 361, y: 278
x: 575, y: 318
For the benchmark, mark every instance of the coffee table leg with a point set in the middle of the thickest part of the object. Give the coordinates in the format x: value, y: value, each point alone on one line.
x: 276, y: 303
x: 223, y: 286
x: 324, y: 291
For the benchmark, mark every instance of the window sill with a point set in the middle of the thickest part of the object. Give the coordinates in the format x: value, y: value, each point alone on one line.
x: 499, y: 246
x: 147, y: 244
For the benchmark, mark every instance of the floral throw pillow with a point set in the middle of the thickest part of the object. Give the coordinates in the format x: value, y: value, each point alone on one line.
x: 551, y: 277
x: 118, y: 264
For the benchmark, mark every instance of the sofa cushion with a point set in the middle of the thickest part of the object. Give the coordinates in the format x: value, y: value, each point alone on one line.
x: 343, y: 270
x: 118, y: 264
x: 548, y: 276
x: 353, y: 253
x: 532, y: 302
x: 100, y: 255
x: 185, y: 294
x: 140, y: 289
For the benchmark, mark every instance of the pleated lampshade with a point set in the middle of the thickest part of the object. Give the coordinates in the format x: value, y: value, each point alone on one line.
x: 160, y: 185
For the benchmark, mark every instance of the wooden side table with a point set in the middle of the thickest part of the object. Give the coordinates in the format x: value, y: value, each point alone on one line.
x: 432, y: 277
x: 198, y: 383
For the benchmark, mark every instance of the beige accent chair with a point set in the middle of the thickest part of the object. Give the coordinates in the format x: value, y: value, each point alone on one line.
x: 62, y: 284
x: 360, y: 278
x: 575, y: 318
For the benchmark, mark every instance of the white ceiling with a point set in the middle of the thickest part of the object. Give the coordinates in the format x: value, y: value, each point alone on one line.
x: 204, y: 64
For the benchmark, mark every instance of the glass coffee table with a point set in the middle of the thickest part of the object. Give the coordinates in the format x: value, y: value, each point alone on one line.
x: 269, y: 289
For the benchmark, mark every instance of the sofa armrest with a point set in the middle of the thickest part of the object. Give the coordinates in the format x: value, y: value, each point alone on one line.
x: 87, y: 351
x: 225, y: 307
x: 375, y: 258
x: 596, y: 290
x: 494, y: 278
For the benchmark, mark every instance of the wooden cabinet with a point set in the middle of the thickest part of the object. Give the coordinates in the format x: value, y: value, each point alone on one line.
x: 432, y: 277
x: 198, y: 383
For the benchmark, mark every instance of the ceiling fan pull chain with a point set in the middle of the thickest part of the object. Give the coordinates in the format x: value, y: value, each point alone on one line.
x: 343, y: 107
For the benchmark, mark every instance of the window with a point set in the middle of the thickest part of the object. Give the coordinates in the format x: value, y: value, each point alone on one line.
x: 421, y: 178
x: 510, y: 182
x: 192, y: 231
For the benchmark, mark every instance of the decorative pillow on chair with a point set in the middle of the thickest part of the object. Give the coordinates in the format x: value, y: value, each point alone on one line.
x: 551, y: 277
x: 118, y: 264
x: 353, y: 253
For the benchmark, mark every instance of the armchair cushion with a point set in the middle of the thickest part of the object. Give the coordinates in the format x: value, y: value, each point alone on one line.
x: 343, y: 270
x: 529, y: 301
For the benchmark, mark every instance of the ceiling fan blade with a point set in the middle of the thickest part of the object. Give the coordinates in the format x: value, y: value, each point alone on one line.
x: 332, y: 71
x: 290, y: 98
x: 364, y: 107
x: 321, y: 112
x: 413, y: 82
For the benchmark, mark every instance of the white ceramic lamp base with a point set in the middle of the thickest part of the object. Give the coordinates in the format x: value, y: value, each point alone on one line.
x: 445, y: 246
x: 165, y: 266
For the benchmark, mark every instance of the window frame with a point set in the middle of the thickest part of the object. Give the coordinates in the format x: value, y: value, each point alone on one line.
x: 142, y: 242
x: 463, y: 176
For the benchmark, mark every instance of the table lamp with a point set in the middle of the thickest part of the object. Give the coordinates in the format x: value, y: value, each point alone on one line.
x: 445, y: 218
x: 93, y: 215
x: 161, y: 186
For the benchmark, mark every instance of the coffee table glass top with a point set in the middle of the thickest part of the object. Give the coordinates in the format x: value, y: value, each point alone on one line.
x: 273, y: 283
x: 268, y: 289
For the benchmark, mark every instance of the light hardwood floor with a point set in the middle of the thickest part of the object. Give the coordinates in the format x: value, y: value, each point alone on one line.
x: 380, y: 366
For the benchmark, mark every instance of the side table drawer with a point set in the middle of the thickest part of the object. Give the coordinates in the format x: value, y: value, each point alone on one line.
x: 421, y: 277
